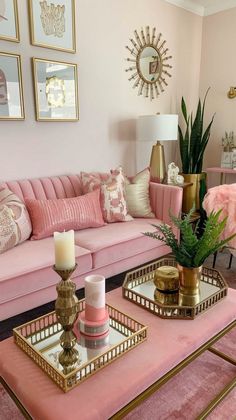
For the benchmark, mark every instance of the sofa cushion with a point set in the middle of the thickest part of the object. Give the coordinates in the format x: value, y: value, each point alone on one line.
x: 48, y: 216
x: 64, y: 186
x: 111, y: 243
x: 28, y: 268
x: 15, y: 225
x: 137, y: 195
x: 113, y: 202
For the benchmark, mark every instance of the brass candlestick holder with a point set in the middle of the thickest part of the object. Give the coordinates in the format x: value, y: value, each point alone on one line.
x: 66, y: 308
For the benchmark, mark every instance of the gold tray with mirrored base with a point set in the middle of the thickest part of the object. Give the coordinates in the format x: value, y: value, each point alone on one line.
x: 40, y: 340
x: 138, y: 287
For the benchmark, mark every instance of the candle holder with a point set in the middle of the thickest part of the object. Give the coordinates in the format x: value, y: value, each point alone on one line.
x: 66, y: 308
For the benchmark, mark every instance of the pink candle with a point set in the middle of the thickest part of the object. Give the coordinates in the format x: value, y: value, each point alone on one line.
x: 94, y: 320
x: 95, y: 298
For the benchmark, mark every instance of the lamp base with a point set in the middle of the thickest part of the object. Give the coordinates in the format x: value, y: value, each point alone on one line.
x: 157, y: 163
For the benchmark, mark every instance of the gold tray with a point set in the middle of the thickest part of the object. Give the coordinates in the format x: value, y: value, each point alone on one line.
x: 39, y: 339
x: 138, y: 287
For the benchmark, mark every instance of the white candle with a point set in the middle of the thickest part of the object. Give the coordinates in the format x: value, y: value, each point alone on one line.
x: 64, y: 250
x: 95, y: 290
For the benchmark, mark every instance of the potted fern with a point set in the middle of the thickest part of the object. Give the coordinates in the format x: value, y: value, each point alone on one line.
x: 190, y: 252
x: 192, y: 144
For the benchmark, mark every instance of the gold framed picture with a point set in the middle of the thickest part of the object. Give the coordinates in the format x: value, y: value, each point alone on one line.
x: 56, y: 90
x: 52, y: 24
x: 9, y: 21
x: 11, y: 90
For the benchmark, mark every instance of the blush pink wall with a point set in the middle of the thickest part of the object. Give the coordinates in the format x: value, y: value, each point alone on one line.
x: 218, y: 71
x: 105, y: 135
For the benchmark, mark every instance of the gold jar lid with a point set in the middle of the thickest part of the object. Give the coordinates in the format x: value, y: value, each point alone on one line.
x: 166, y: 278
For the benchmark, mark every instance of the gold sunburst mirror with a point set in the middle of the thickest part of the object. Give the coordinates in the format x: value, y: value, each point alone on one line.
x: 149, y: 56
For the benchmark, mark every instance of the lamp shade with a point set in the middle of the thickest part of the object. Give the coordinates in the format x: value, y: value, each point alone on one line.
x: 157, y: 127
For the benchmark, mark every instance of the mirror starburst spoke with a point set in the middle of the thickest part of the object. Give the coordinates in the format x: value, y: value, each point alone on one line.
x: 151, y: 61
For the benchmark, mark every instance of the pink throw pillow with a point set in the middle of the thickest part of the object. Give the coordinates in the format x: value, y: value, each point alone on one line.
x: 15, y: 225
x: 113, y: 202
x: 76, y: 213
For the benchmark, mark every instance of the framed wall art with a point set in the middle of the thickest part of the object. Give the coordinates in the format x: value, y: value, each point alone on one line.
x: 11, y: 91
x: 56, y: 90
x: 52, y: 24
x: 9, y: 21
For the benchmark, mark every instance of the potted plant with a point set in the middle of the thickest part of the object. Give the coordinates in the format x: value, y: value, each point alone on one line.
x: 191, y: 251
x: 192, y: 145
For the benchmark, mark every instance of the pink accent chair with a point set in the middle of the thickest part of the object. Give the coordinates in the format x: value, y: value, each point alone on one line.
x: 223, y: 197
x: 26, y: 276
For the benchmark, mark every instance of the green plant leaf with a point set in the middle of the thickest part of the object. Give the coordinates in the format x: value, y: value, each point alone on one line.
x: 204, y: 142
x: 191, y: 251
x: 195, y: 136
x: 204, y: 103
x: 184, y: 110
x: 193, y: 142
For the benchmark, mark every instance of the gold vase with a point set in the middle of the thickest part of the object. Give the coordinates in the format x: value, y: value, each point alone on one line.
x: 189, y: 280
x: 191, y: 192
x: 66, y: 308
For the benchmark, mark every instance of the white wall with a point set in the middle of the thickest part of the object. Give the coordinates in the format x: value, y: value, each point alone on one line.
x: 105, y: 135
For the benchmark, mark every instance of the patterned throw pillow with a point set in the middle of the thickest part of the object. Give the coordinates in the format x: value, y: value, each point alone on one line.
x: 137, y: 195
x: 113, y: 202
x: 60, y: 214
x: 15, y: 225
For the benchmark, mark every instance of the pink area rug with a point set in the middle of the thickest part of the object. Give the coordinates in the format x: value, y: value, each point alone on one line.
x: 183, y: 397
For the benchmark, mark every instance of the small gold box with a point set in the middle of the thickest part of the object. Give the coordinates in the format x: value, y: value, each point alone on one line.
x: 166, y: 278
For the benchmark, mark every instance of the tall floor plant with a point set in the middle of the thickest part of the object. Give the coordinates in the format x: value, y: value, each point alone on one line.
x: 194, y: 140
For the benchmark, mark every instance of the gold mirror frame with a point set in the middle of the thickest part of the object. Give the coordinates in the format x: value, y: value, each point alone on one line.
x: 154, y: 87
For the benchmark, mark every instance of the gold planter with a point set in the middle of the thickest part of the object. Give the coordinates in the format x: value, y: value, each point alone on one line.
x: 189, y: 280
x: 191, y: 192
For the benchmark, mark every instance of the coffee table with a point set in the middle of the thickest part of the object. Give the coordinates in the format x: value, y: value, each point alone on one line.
x: 118, y: 388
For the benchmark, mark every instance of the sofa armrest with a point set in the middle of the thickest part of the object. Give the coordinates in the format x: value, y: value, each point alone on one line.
x: 165, y: 199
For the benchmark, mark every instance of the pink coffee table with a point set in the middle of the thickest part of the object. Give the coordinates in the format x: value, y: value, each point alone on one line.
x: 117, y: 388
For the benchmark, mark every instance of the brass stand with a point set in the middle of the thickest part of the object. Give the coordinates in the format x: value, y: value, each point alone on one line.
x: 66, y: 307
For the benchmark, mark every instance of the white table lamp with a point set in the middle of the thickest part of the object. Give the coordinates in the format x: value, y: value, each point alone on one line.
x: 157, y: 128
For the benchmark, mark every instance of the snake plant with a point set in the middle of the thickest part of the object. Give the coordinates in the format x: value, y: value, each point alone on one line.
x: 191, y: 251
x: 194, y: 141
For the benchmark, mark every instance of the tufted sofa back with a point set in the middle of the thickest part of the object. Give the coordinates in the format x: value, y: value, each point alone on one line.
x: 65, y: 186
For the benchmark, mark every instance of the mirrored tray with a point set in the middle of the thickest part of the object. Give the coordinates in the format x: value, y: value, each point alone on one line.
x: 138, y: 287
x: 40, y: 340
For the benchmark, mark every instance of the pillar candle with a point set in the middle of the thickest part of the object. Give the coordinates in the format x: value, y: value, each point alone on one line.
x: 95, y: 297
x: 64, y: 250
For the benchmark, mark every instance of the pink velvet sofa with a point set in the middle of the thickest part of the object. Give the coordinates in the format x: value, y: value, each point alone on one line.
x: 26, y: 276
